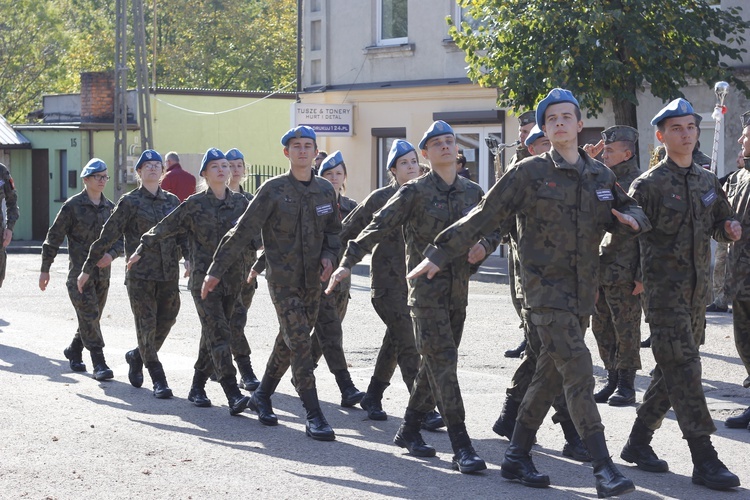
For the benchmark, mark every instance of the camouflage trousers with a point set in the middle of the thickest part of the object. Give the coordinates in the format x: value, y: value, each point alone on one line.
x: 676, y: 383
x: 3, y: 262
x: 297, y: 310
x: 328, y: 336
x: 521, y: 379
x: 741, y: 317
x: 89, y: 306
x: 719, y: 280
x: 155, y: 305
x: 564, y: 366
x: 398, y: 347
x: 617, y: 327
x: 215, y: 353
x: 514, y: 278
x: 438, y: 334
x: 237, y: 340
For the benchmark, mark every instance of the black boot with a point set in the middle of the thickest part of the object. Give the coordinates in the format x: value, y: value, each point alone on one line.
x: 74, y: 355
x: 609, y: 481
x: 236, y: 401
x: 574, y: 447
x: 638, y: 449
x: 517, y: 462
x: 248, y: 380
x: 101, y: 370
x: 372, y: 402
x: 161, y: 389
x: 708, y: 470
x: 465, y: 459
x: 350, y: 395
x: 316, y: 426
x: 135, y: 370
x: 516, y: 353
x: 409, y: 437
x: 605, y: 392
x: 432, y: 421
x: 625, y: 393
x: 741, y: 421
x: 507, y: 419
x: 646, y: 344
x: 197, y: 394
x: 260, y: 401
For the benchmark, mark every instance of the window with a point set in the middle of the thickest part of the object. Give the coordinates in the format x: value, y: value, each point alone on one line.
x: 392, y: 18
x: 62, y: 156
x: 462, y: 16
x: 315, y: 35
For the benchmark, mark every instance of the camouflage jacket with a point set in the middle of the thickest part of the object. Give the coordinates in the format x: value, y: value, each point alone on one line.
x: 135, y: 213
x: 299, y: 226
x: 686, y: 207
x: 203, y: 219
x: 737, y: 188
x: 8, y: 193
x: 522, y: 152
x: 619, y: 254
x: 252, y: 254
x: 388, y: 264
x: 424, y: 207
x: 561, y: 216
x: 346, y: 205
x: 81, y: 221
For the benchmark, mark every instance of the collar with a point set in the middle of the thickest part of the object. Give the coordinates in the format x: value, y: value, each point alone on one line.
x: 693, y: 169
x: 159, y: 193
x: 176, y: 166
x: 314, y: 186
x: 458, y: 184
x: 625, y: 167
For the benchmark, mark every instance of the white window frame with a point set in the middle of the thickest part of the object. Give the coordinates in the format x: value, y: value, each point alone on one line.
x: 379, y: 28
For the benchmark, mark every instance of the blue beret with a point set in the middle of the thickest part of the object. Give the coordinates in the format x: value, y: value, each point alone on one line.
x: 555, y: 96
x: 94, y: 166
x: 399, y: 148
x: 211, y: 155
x: 331, y: 161
x: 678, y: 107
x: 536, y: 133
x: 234, y: 154
x: 301, y: 132
x: 148, y: 155
x: 437, y: 128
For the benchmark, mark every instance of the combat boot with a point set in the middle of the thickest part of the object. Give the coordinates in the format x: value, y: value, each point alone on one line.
x: 574, y: 447
x: 638, y: 449
x: 518, y: 351
x: 135, y: 367
x: 609, y: 388
x: 708, y: 470
x: 236, y: 401
x: 159, y: 379
x: 646, y: 344
x: 517, y: 463
x: 74, y: 355
x: 260, y: 401
x: 316, y: 426
x: 409, y: 437
x: 197, y: 394
x: 350, y: 395
x: 625, y: 393
x: 507, y: 419
x: 432, y: 421
x: 101, y: 370
x: 372, y: 402
x: 248, y: 380
x: 465, y: 459
x: 609, y: 481
x: 741, y: 421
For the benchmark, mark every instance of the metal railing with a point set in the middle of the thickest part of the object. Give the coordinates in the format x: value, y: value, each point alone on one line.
x: 258, y: 174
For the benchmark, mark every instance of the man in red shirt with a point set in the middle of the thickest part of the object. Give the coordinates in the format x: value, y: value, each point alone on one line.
x: 177, y: 181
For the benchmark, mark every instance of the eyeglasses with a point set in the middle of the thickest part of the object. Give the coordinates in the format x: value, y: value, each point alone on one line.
x: 101, y: 178
x: 151, y: 165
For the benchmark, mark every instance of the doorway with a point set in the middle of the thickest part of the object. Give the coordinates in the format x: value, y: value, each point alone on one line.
x: 39, y: 193
x: 479, y: 158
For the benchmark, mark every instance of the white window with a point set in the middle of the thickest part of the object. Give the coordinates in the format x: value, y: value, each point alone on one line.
x: 392, y: 22
x: 461, y: 15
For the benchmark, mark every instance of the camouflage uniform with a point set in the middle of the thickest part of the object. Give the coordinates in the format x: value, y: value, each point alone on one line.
x: 7, y: 193
x: 562, y: 212
x: 686, y: 207
x: 299, y: 225
x: 152, y: 284
x: 81, y: 221
x: 203, y: 219
x: 424, y: 207
x: 617, y: 322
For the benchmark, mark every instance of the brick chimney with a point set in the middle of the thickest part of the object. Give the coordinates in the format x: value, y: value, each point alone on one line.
x: 98, y: 97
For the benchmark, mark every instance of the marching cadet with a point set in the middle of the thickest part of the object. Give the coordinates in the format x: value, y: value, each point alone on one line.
x: 617, y: 321
x: 738, y: 192
x: 203, y: 218
x: 153, y: 285
x: 7, y: 193
x: 563, y: 202
x: 80, y: 219
x: 297, y: 217
x: 686, y: 206
x: 423, y: 207
x: 526, y: 123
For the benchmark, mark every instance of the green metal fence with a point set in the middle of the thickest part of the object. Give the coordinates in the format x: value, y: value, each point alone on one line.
x: 258, y: 174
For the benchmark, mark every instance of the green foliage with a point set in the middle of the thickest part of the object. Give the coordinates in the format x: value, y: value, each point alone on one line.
x: 598, y: 49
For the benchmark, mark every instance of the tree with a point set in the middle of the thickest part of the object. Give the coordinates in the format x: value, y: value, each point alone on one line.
x: 599, y: 49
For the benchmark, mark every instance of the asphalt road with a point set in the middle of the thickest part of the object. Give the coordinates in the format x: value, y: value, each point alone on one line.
x: 65, y: 435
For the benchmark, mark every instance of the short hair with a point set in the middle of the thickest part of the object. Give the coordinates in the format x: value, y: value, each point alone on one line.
x: 630, y: 146
x: 461, y: 159
x: 323, y: 154
x: 172, y: 156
